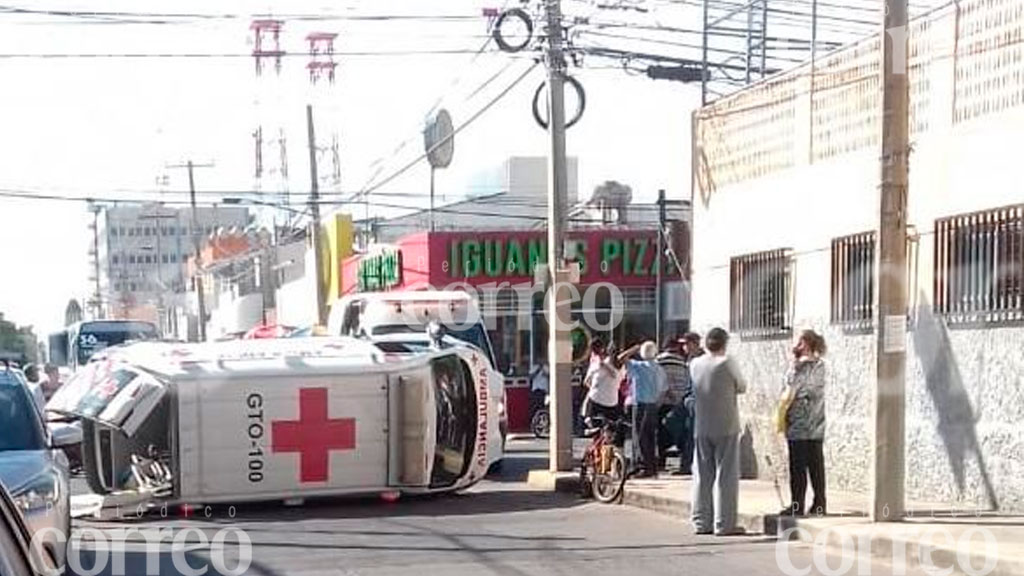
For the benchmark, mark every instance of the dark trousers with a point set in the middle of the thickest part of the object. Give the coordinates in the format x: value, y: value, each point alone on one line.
x: 807, y: 458
x: 685, y: 445
x: 536, y: 401
x: 647, y: 436
x: 665, y: 437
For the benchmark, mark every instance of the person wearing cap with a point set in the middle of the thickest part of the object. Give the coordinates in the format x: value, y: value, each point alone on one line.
x: 676, y: 418
x: 647, y: 385
x: 691, y: 346
x: 717, y: 382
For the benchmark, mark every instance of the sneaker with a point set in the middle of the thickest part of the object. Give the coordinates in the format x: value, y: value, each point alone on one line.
x: 792, y: 511
x: 682, y: 473
x: 737, y: 531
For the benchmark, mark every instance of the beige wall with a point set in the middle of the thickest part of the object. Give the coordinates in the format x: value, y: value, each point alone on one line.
x: 768, y: 179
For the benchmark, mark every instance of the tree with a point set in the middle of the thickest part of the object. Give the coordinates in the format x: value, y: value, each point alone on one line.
x: 73, y: 312
x: 17, y: 343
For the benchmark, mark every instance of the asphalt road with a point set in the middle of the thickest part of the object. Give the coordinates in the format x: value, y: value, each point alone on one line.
x: 500, y: 527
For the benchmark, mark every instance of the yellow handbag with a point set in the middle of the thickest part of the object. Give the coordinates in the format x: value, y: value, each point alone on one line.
x: 783, y: 409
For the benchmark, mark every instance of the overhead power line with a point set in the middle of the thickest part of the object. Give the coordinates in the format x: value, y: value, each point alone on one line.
x: 222, y: 55
x: 141, y: 17
x: 408, y: 166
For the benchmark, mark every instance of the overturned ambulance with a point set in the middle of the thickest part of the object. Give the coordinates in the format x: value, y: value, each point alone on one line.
x: 281, y: 420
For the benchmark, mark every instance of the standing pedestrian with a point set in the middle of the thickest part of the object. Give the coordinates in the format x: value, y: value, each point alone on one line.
x: 804, y: 392
x: 717, y: 382
x: 539, y: 383
x: 673, y: 428
x: 602, y: 383
x: 691, y: 346
x: 647, y: 384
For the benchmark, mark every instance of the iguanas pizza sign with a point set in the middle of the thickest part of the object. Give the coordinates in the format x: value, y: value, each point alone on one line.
x: 445, y: 259
x: 621, y: 257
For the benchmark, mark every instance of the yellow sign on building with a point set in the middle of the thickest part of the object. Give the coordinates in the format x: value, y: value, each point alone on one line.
x: 338, y: 238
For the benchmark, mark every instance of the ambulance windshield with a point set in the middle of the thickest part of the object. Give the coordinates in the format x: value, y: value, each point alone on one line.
x: 474, y: 334
x: 456, y: 420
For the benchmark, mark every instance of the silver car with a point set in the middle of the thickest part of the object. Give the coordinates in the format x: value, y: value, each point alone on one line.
x: 32, y: 466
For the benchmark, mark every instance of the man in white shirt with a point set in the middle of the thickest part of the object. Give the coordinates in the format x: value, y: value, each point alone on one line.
x: 539, y: 384
x: 602, y: 383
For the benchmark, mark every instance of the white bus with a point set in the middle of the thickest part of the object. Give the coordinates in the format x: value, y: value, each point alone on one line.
x: 280, y: 420
x: 73, y: 346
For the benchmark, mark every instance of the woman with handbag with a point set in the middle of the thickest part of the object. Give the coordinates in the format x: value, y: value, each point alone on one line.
x: 801, y: 417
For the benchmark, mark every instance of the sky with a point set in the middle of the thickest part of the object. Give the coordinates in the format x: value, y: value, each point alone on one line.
x: 108, y: 128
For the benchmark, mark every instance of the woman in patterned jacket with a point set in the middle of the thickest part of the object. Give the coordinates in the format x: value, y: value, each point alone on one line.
x: 805, y: 423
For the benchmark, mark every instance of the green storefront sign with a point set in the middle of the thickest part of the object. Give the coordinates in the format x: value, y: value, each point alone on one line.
x: 602, y: 259
x: 380, y: 271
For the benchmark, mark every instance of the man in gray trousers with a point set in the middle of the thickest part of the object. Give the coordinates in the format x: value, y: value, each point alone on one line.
x: 716, y: 383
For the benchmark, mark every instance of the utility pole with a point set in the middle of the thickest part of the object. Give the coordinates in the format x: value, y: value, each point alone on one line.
x: 659, y: 295
x: 98, y: 295
x: 314, y: 210
x: 559, y: 342
x: 888, y: 465
x: 197, y: 244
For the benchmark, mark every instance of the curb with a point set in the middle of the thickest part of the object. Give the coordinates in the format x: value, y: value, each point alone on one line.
x: 834, y: 535
x: 565, y: 482
x: 882, y: 546
x: 682, y: 510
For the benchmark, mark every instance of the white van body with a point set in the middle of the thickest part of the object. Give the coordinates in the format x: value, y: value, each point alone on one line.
x: 283, y: 419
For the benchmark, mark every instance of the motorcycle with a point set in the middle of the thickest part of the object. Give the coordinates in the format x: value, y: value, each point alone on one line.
x: 540, y: 423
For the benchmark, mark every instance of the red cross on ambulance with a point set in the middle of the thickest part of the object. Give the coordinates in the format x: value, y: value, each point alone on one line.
x: 313, y: 436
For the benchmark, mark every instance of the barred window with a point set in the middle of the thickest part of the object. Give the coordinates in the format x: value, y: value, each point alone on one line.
x: 979, y: 266
x: 853, y: 280
x: 760, y: 293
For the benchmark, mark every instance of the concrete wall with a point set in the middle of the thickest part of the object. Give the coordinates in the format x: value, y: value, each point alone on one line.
x: 235, y: 315
x: 296, y: 297
x: 965, y: 398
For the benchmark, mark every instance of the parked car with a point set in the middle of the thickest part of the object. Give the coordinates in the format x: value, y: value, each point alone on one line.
x: 32, y: 465
x: 15, y: 550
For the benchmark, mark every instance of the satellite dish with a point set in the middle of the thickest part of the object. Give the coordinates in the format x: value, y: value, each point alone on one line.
x: 439, y: 140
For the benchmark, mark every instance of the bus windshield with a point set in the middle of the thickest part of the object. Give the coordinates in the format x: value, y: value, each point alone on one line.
x: 95, y: 336
x: 456, y: 421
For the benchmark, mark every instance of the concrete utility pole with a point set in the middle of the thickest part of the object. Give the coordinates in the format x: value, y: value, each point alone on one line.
x: 659, y: 296
x: 98, y: 294
x: 890, y: 393
x: 559, y: 342
x: 197, y: 244
x: 314, y: 210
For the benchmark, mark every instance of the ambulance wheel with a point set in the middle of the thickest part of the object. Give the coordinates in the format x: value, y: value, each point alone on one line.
x: 90, y: 466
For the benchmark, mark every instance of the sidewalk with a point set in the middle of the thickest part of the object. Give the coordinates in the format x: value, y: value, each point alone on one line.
x: 947, y: 533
